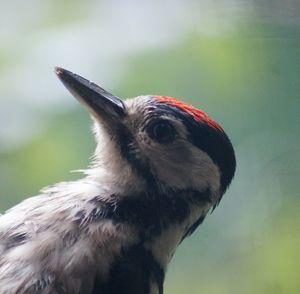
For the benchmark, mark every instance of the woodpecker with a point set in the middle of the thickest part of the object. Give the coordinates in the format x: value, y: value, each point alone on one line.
x: 159, y: 167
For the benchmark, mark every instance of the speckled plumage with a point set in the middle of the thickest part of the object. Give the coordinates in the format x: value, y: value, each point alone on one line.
x: 116, y: 230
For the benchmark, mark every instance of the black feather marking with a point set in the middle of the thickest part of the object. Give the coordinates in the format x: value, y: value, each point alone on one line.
x: 193, y: 227
x: 79, y: 216
x: 16, y: 240
x: 129, y: 150
x: 150, y: 213
x: 132, y: 273
x: 47, y: 281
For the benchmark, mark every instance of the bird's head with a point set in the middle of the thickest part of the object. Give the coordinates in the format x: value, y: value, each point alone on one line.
x: 155, y: 141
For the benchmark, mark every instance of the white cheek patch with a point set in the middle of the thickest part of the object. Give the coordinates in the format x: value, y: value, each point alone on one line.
x: 181, y: 164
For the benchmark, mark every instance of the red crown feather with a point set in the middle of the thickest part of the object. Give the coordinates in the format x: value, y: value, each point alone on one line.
x: 197, y: 114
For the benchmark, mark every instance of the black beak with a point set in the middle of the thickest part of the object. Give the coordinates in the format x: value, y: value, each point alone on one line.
x: 100, y: 103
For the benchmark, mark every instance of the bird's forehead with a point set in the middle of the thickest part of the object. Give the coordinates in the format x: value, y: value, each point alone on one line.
x: 143, y: 109
x: 198, y: 114
x: 142, y: 104
x: 138, y: 105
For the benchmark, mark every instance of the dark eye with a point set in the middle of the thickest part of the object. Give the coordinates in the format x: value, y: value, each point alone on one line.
x: 162, y: 131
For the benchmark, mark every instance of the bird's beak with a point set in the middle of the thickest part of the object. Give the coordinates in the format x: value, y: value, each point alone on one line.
x: 100, y: 103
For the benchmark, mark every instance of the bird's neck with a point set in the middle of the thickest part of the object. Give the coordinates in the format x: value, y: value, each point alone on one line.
x: 162, y: 220
x: 147, y: 228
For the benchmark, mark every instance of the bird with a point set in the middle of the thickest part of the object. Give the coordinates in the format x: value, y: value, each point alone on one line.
x: 159, y: 167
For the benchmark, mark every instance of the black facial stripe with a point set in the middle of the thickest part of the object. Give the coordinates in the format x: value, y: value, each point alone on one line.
x: 128, y: 148
x: 132, y: 273
x: 150, y: 213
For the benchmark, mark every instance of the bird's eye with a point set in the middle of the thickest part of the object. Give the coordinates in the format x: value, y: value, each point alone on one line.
x: 162, y: 131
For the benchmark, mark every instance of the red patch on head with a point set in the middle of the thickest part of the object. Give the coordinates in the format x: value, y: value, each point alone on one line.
x: 197, y: 114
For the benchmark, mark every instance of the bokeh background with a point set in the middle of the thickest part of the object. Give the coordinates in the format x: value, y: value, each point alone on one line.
x: 238, y: 60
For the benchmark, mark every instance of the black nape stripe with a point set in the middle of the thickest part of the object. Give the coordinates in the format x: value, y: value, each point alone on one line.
x: 132, y: 273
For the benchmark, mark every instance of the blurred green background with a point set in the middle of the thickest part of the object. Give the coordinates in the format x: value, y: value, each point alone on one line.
x: 238, y: 60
